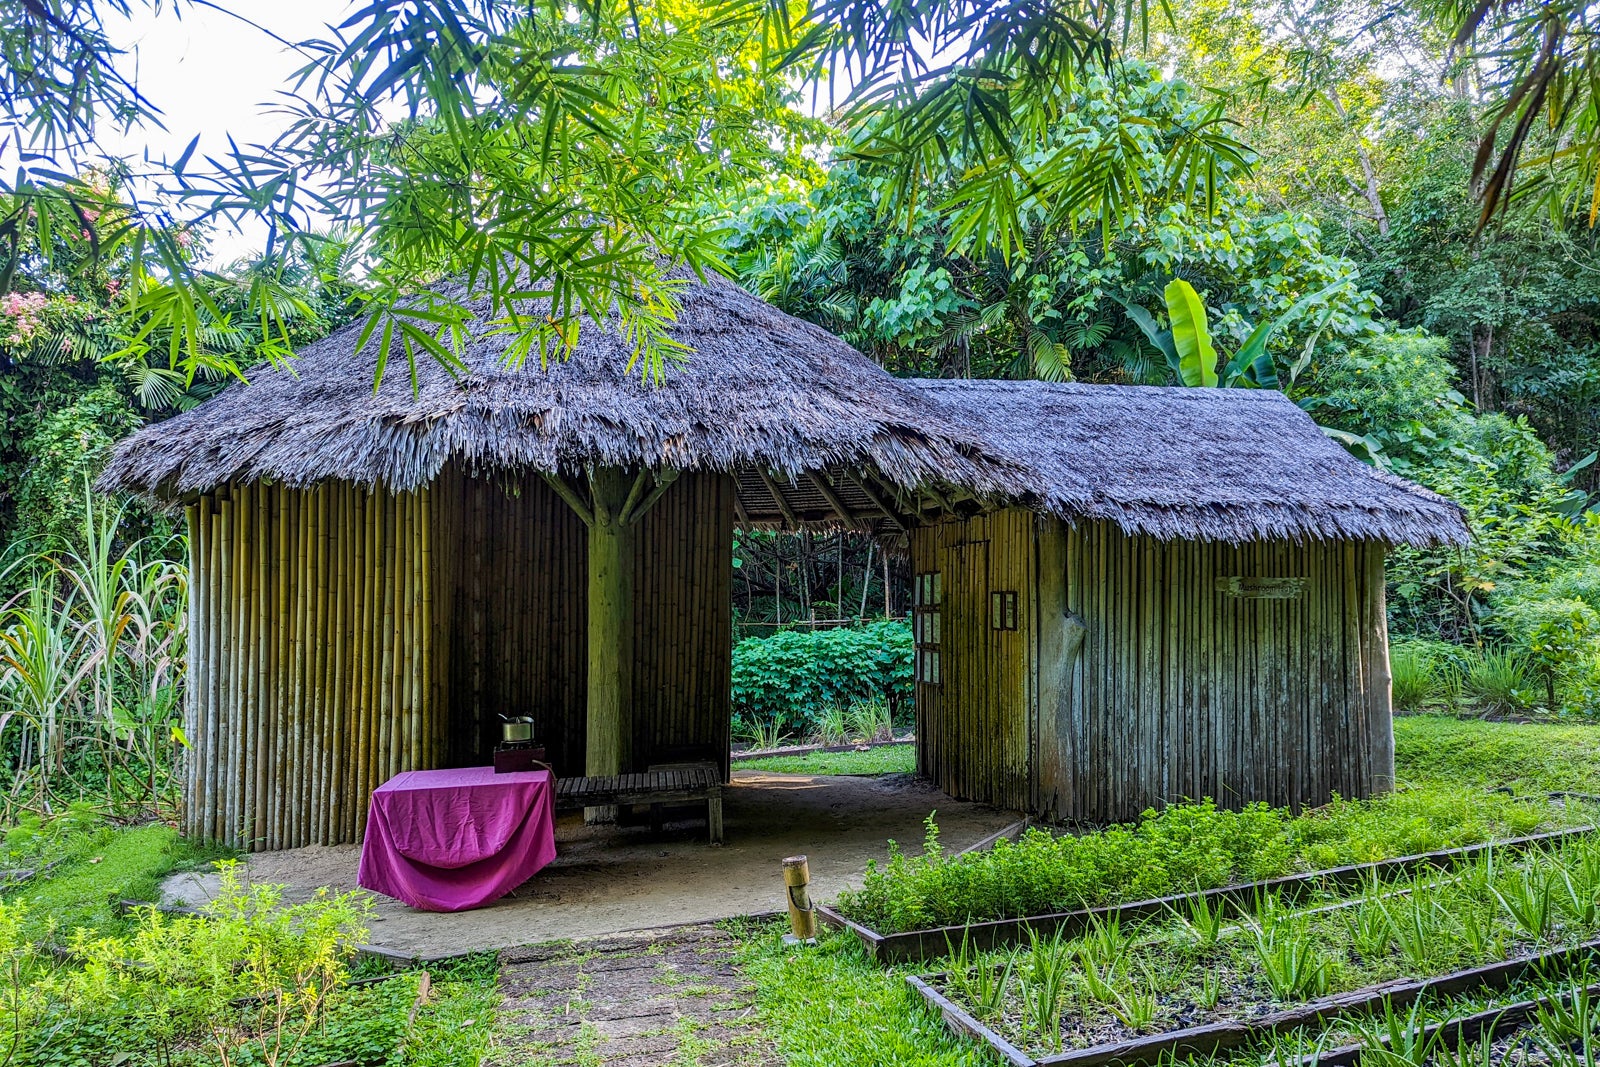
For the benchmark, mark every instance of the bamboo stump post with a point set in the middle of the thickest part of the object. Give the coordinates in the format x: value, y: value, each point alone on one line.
x: 797, y: 891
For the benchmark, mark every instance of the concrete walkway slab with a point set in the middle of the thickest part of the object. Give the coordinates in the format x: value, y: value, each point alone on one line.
x: 607, y: 879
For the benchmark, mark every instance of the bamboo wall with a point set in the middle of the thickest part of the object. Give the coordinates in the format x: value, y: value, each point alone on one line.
x: 519, y: 590
x: 310, y: 679
x: 976, y: 727
x: 1147, y: 681
x: 339, y: 637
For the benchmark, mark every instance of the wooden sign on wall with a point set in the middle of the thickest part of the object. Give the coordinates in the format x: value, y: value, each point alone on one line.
x: 1262, y: 588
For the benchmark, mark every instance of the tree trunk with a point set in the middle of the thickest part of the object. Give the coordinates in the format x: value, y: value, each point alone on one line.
x: 610, y: 725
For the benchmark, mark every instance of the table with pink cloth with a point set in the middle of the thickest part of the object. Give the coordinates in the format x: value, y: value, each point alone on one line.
x: 457, y: 839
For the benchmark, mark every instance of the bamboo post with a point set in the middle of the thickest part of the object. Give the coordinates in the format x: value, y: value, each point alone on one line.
x: 797, y: 892
x: 610, y: 728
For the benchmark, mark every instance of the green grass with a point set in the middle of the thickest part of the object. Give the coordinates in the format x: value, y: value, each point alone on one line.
x: 828, y: 1005
x: 455, y: 1028
x: 99, y: 867
x: 1522, y: 757
x: 887, y: 759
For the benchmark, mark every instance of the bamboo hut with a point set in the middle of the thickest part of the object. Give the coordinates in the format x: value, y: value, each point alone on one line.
x: 376, y: 576
x: 1188, y: 603
x: 1124, y: 596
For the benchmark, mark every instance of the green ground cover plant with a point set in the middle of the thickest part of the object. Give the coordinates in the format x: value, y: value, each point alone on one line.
x: 830, y: 1006
x: 885, y: 759
x: 1179, y: 849
x: 1112, y: 984
x: 1522, y: 757
x: 254, y: 980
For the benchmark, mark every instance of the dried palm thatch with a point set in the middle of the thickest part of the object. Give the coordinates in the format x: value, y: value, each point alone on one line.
x: 761, y: 392
x: 815, y: 433
x: 1230, y: 465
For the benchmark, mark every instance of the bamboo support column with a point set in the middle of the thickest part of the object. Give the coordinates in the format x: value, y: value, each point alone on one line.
x: 610, y: 680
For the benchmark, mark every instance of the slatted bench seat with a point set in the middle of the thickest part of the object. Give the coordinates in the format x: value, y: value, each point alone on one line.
x: 655, y: 787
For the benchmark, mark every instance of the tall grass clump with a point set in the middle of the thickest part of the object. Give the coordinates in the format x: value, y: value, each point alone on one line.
x: 1500, y: 681
x: 91, y: 665
x: 1416, y: 677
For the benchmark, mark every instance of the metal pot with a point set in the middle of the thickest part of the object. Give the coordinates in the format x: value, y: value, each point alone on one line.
x: 516, y: 729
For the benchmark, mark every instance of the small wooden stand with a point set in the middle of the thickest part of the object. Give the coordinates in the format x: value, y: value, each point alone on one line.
x: 802, y: 914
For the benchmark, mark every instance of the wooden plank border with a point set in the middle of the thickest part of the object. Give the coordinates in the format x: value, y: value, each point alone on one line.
x: 934, y: 942
x: 1213, y: 1038
x: 1492, y: 1023
x: 960, y: 1021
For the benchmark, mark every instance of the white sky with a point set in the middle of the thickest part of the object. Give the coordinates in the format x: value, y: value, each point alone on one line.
x: 213, y: 75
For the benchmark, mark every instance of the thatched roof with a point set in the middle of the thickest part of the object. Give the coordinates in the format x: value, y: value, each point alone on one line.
x: 813, y: 432
x: 1215, y: 464
x: 763, y: 393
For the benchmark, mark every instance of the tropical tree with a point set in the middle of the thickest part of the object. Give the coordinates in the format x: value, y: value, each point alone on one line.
x: 547, y: 152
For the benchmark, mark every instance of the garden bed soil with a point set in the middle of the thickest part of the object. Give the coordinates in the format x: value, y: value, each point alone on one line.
x: 935, y: 942
x: 1211, y: 1038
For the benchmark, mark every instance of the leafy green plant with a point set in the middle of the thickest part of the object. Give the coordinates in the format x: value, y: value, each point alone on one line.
x: 1044, y: 983
x: 795, y: 676
x: 1291, y: 962
x: 1135, y: 1009
x: 1203, y: 920
x: 870, y: 721
x: 1528, y: 897
x: 765, y: 735
x: 1368, y: 924
x: 1400, y: 1040
x: 1569, y: 1017
x: 980, y: 983
x: 1187, y: 341
x: 1415, y: 922
x: 1180, y: 849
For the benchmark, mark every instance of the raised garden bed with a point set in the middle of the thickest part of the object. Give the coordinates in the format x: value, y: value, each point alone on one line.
x: 1221, y: 1037
x: 1207, y: 981
x: 935, y: 942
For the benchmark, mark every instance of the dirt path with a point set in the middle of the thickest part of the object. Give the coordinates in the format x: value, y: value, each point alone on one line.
x: 674, y: 997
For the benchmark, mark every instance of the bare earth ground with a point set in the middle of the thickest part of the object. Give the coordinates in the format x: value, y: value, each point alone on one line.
x: 674, y: 997
x: 606, y: 880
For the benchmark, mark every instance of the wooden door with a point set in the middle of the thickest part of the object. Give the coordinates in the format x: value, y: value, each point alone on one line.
x: 973, y: 691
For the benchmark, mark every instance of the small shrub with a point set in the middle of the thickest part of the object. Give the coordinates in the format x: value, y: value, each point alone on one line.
x: 793, y: 677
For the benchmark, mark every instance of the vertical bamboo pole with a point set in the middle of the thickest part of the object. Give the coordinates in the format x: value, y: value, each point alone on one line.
x: 383, y: 708
x: 284, y: 710
x: 330, y: 811
x: 236, y: 658
x: 261, y: 624
x: 610, y: 646
x: 194, y: 692
x: 317, y: 759
x: 215, y: 569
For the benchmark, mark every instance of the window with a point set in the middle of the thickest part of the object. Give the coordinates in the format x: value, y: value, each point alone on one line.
x: 928, y: 598
x: 1003, y: 610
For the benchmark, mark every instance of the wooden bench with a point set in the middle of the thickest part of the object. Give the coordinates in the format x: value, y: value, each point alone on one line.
x: 656, y: 787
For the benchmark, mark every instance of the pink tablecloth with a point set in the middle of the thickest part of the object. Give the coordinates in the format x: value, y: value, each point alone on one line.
x: 453, y: 840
